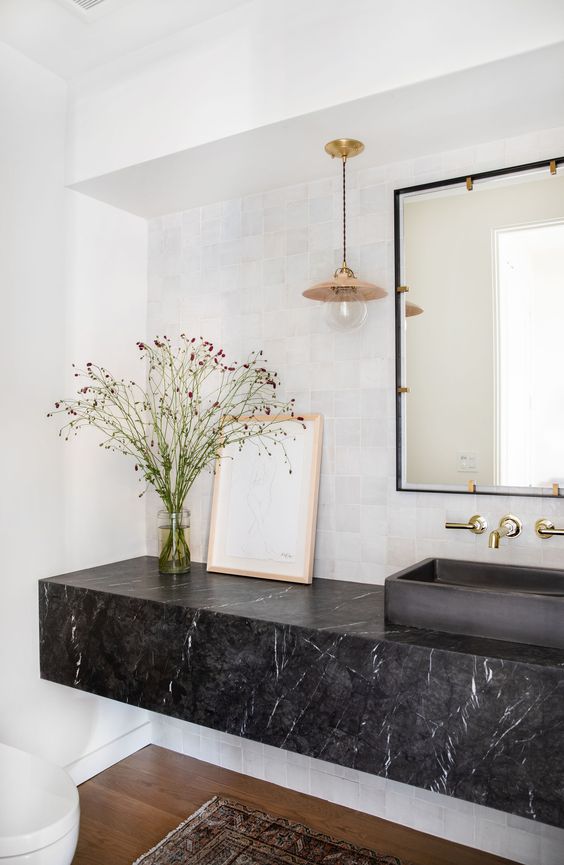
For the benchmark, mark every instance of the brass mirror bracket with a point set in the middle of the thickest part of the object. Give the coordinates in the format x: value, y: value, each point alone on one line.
x: 476, y: 524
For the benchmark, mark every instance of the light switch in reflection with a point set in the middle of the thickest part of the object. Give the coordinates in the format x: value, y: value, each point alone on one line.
x: 466, y: 462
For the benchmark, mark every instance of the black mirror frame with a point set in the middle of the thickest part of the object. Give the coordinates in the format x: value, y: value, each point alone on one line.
x: 546, y: 492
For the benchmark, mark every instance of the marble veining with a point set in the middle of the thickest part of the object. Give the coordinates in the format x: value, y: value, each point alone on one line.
x: 315, y: 670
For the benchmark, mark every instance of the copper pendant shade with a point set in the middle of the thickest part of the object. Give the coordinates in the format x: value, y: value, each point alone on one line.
x: 342, y: 280
x: 344, y: 285
x: 412, y: 309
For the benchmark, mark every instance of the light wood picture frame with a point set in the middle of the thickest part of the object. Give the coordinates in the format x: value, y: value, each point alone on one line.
x: 264, y: 515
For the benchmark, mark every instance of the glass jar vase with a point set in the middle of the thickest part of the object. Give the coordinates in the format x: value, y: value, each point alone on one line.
x: 174, y: 541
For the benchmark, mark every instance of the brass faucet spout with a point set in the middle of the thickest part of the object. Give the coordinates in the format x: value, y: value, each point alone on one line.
x: 493, y: 542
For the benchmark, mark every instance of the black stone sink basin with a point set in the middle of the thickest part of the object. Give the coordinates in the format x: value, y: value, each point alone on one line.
x: 504, y: 602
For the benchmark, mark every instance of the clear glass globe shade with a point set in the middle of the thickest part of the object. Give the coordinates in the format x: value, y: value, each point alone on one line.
x: 346, y: 314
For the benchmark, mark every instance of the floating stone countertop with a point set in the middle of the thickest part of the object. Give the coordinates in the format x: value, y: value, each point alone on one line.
x: 315, y: 670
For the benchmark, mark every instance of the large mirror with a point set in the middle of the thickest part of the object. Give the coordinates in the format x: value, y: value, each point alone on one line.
x: 480, y: 332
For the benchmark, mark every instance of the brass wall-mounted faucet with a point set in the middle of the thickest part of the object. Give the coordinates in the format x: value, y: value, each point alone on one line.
x: 476, y: 524
x: 510, y: 526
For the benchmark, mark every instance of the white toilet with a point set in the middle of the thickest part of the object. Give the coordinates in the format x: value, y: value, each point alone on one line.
x: 39, y: 811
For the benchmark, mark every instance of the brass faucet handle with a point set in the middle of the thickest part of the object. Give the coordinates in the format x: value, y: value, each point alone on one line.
x: 545, y: 529
x: 512, y: 524
x: 476, y: 524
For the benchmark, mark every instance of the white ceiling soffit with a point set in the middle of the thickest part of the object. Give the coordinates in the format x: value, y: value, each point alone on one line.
x: 486, y: 103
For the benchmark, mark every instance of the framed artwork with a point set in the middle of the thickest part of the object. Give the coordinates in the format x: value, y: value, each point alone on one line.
x: 264, y: 515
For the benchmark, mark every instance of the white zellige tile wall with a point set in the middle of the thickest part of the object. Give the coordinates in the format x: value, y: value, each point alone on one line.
x: 234, y: 273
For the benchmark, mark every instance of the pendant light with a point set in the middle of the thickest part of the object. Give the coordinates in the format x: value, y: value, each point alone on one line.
x: 344, y: 295
x: 412, y: 309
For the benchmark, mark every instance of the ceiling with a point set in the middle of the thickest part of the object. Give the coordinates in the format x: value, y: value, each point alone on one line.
x: 71, y: 42
x: 519, y: 94
x: 466, y: 108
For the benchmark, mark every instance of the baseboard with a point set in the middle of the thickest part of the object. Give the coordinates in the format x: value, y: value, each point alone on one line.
x: 102, y: 758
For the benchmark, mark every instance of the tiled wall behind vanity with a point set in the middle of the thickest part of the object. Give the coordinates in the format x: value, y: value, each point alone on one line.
x: 234, y: 272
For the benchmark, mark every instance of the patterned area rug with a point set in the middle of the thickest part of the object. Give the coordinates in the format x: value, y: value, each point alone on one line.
x: 227, y: 833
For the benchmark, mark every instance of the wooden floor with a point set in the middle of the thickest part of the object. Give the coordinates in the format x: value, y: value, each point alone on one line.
x: 128, y: 808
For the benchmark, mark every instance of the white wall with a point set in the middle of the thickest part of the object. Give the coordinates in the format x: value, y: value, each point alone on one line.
x: 234, y: 272
x: 449, y: 361
x: 268, y: 61
x: 55, y: 722
x: 106, y: 315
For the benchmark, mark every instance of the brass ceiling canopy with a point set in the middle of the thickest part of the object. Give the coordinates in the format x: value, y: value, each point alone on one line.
x: 344, y: 288
x: 344, y: 148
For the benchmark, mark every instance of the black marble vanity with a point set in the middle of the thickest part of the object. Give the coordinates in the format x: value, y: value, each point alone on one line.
x: 314, y: 669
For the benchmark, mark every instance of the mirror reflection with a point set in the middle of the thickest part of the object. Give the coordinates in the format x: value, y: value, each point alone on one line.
x: 484, y: 261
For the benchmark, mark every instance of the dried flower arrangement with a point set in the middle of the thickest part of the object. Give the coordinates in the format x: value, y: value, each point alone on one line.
x: 194, y: 404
